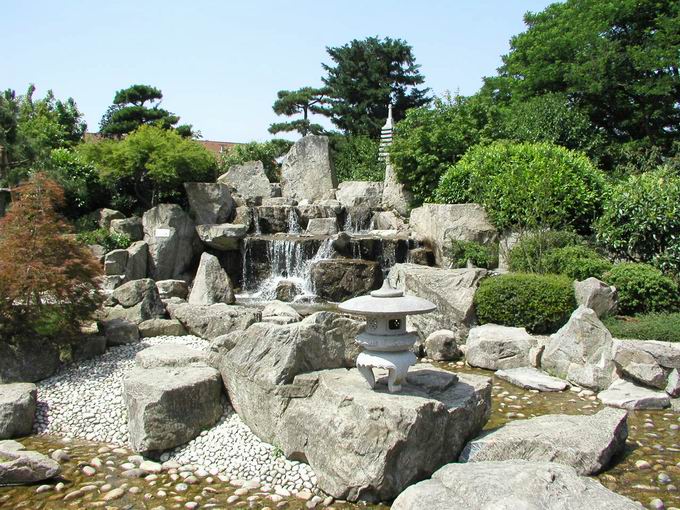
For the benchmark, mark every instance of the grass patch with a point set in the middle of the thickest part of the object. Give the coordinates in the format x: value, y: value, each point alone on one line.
x: 652, y: 326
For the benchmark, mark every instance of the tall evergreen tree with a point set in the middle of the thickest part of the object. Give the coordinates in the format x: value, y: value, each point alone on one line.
x: 364, y: 77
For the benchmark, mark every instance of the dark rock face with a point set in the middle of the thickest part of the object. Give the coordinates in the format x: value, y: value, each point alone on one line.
x: 341, y: 279
x: 27, y: 361
x: 136, y: 301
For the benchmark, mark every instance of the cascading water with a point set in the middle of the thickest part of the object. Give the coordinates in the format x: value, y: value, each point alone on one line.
x: 293, y: 223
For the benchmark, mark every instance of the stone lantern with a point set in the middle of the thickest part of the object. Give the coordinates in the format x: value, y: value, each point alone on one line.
x: 386, y: 343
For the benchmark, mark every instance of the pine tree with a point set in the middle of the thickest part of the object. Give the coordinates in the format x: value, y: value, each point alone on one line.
x: 302, y: 101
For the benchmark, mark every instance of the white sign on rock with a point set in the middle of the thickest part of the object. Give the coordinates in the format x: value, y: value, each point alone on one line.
x: 162, y: 232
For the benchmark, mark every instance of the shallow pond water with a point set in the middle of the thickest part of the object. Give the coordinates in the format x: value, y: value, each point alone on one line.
x: 648, y: 470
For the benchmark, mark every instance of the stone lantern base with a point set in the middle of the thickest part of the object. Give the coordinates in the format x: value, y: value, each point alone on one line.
x: 396, y: 363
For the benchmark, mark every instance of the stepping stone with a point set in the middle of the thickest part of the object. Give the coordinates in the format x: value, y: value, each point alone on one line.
x: 586, y: 443
x: 627, y: 395
x: 532, y: 379
x: 21, y: 466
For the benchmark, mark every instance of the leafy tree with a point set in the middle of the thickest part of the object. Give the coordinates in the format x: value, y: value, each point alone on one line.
x: 365, y: 76
x: 616, y: 60
x: 47, y: 279
x: 355, y: 158
x: 31, y: 128
x: 266, y: 152
x: 133, y: 107
x: 302, y: 101
x: 429, y: 140
x: 152, y: 163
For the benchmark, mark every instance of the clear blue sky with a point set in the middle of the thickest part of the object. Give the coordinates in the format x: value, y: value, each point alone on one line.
x: 220, y: 64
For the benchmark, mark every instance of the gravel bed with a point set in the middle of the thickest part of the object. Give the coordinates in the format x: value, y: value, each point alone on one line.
x: 85, y: 400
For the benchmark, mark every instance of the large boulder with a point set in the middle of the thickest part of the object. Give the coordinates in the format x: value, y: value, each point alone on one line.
x: 170, y: 355
x: 439, y: 224
x: 105, y: 216
x: 514, y: 484
x: 168, y: 406
x: 21, y: 466
x: 322, y: 226
x: 222, y: 237
x: 581, y: 351
x: 210, y: 202
x: 212, y: 284
x: 120, y: 332
x: 18, y: 403
x: 307, y: 171
x: 130, y: 227
x: 388, y: 441
x: 666, y: 354
x: 172, y: 289
x: 137, y: 261
x: 341, y: 279
x: 136, y: 301
x: 211, y: 321
x: 115, y: 262
x: 395, y: 195
x: 639, y: 365
x: 360, y: 193
x: 172, y: 239
x: 596, y: 295
x: 442, y: 345
x: 452, y: 290
x: 27, y: 361
x: 627, y: 395
x: 161, y: 327
x: 280, y: 313
x: 248, y: 180
x: 387, y: 220
x: 498, y: 347
x: 587, y: 443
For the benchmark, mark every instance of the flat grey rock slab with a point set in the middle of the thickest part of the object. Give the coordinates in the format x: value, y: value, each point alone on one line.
x: 532, y: 379
x: 20, y: 466
x: 169, y: 355
x: 585, y: 442
x: 511, y: 485
x: 627, y: 395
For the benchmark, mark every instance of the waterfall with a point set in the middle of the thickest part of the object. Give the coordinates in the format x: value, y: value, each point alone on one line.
x: 293, y: 223
x: 256, y: 221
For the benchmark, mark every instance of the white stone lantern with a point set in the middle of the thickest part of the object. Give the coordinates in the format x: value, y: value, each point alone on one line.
x: 386, y: 343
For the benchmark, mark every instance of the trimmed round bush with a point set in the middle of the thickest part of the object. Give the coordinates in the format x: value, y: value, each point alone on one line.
x: 527, y: 256
x: 539, y: 303
x: 643, y: 288
x: 527, y: 185
x: 641, y: 219
x: 576, y: 262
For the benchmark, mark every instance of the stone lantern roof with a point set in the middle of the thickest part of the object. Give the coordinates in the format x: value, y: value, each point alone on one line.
x: 386, y: 302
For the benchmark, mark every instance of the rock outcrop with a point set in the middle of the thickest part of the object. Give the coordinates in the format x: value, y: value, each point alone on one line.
x: 452, y: 290
x: 27, y: 361
x: 341, y: 279
x: 581, y: 351
x: 249, y: 180
x: 223, y: 237
x: 172, y: 288
x: 211, y: 321
x: 130, y: 227
x: 587, y: 443
x: 18, y: 403
x: 439, y: 224
x: 442, y: 345
x: 168, y: 406
x: 210, y: 202
x: 307, y: 172
x: 170, y: 355
x: 120, y: 332
x: 211, y: 284
x: 596, y: 295
x: 136, y: 301
x: 137, y: 261
x: 172, y: 239
x: 161, y: 327
x: 516, y: 484
x: 360, y: 193
x: 498, y: 347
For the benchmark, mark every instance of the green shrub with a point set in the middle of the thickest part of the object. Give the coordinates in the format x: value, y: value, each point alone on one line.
x: 527, y: 255
x: 576, y: 262
x: 480, y: 255
x: 539, y: 303
x: 654, y: 326
x: 641, y: 218
x: 109, y: 241
x: 267, y: 152
x: 355, y: 158
x: 527, y: 185
x: 643, y: 288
